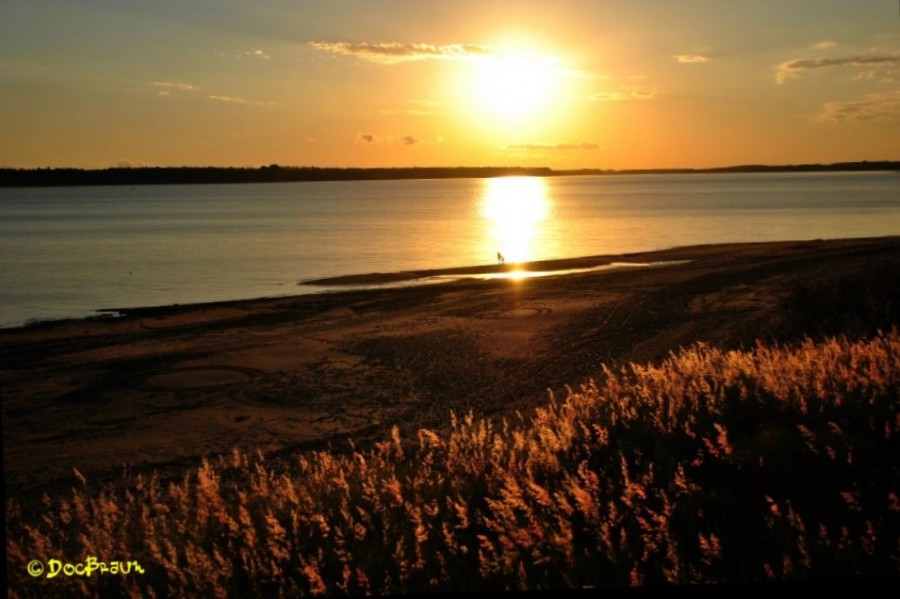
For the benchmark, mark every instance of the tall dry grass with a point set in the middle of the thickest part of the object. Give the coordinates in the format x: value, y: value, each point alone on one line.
x: 778, y: 463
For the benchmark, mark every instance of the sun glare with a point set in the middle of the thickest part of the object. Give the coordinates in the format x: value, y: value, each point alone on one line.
x: 514, y: 207
x: 512, y: 94
x: 514, y: 86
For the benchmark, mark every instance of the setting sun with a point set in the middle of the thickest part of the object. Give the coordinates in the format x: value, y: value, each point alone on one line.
x: 517, y: 94
x: 513, y: 87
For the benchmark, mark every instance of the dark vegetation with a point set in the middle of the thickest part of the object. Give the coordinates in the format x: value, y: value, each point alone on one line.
x: 771, y: 464
x: 275, y: 173
x: 267, y: 174
x: 857, y: 304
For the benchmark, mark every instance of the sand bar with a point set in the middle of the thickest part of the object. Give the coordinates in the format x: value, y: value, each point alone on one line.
x: 487, y: 271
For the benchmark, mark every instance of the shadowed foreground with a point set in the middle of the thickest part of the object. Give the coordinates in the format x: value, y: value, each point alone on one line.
x: 761, y: 465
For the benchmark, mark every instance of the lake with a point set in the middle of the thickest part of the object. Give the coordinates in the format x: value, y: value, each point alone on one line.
x: 69, y: 251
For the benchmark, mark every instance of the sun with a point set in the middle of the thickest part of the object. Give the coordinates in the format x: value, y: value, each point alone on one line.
x: 513, y: 86
x: 515, y: 92
x: 509, y: 92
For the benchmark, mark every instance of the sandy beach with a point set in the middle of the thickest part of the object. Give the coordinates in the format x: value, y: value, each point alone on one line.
x: 159, y: 388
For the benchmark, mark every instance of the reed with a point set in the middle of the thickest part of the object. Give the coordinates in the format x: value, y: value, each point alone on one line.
x: 775, y: 463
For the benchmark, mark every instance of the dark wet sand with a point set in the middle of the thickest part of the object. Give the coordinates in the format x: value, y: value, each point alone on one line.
x: 159, y: 388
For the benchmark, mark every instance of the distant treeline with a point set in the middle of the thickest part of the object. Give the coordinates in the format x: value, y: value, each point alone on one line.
x: 274, y: 173
x: 864, y: 165
x: 266, y: 174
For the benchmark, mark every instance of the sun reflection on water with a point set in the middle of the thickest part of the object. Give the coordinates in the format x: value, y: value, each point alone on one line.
x: 514, y: 208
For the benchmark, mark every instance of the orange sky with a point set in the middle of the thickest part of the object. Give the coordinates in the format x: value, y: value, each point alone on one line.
x: 569, y: 84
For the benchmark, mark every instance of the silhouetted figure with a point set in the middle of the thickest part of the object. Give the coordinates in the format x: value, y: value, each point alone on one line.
x: 500, y: 258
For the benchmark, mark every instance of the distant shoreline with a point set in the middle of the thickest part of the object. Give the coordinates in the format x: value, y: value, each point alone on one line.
x: 70, y: 177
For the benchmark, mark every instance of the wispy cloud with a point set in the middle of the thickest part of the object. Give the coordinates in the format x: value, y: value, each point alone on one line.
x: 690, y: 58
x: 394, y: 52
x: 887, y: 74
x: 173, y: 85
x: 233, y: 100
x: 825, y: 44
x: 126, y: 164
x: 408, y: 111
x: 416, y: 108
x: 256, y: 53
x: 555, y: 146
x: 796, y: 67
x: 878, y: 106
x: 390, y: 140
x: 624, y: 96
x: 168, y: 87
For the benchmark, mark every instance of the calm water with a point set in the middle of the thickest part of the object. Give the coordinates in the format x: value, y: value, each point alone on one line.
x: 69, y: 251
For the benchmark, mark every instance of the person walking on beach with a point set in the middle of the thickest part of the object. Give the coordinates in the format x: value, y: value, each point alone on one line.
x: 500, y: 258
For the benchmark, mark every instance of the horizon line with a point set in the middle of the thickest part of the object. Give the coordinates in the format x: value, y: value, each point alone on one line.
x: 446, y: 167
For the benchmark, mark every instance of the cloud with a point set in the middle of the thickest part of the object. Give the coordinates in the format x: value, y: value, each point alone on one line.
x: 796, y: 67
x: 690, y: 58
x: 256, y: 53
x: 635, y: 94
x: 170, y: 85
x: 824, y: 45
x: 555, y: 146
x: 878, y: 106
x: 388, y: 140
x: 393, y: 52
x: 167, y: 87
x: 424, y: 111
x: 233, y: 100
x: 419, y: 108
x: 128, y: 164
x: 885, y: 75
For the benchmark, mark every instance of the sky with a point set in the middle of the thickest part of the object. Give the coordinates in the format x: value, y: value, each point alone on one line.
x: 617, y: 84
